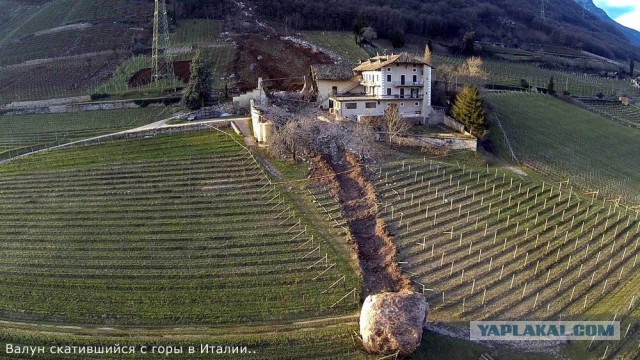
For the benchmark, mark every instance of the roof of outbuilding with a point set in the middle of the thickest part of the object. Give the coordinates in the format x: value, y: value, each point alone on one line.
x: 380, y: 61
x: 340, y: 71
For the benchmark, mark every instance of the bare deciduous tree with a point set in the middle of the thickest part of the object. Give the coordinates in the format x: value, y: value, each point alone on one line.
x: 369, y: 33
x: 395, y: 123
x: 448, y: 74
x: 361, y: 141
x: 471, y: 71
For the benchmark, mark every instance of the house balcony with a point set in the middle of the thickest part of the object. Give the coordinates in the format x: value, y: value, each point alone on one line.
x: 405, y: 96
x: 364, y: 96
x: 369, y: 83
x: 408, y: 84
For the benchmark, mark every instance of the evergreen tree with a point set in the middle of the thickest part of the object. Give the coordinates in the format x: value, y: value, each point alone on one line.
x: 200, y: 86
x: 358, y: 26
x: 397, y: 39
x: 551, y: 87
x: 468, y: 109
x: 468, y: 41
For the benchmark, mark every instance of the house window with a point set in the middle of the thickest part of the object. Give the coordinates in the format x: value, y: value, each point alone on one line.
x: 370, y: 105
x: 388, y: 78
x: 415, y: 70
x: 416, y: 104
x: 415, y: 79
x: 388, y: 91
x: 401, y: 104
x: 351, y: 106
x: 388, y: 69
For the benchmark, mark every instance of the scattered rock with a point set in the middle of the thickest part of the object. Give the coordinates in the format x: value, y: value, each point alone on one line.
x: 392, y: 323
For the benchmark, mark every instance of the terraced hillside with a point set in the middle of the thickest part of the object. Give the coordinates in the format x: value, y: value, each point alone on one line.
x: 13, y: 14
x: 57, y: 78
x: 72, y: 40
x: 191, y: 32
x: 340, y: 43
x: 22, y: 133
x: 625, y: 114
x: 567, y: 142
x: 483, y: 245
x: 61, y: 48
x: 58, y: 13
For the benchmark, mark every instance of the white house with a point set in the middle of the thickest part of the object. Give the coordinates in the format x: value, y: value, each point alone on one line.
x: 332, y: 79
x: 401, y: 79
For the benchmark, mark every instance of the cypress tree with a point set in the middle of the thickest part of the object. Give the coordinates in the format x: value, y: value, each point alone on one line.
x: 200, y: 86
x: 427, y: 54
x: 468, y: 109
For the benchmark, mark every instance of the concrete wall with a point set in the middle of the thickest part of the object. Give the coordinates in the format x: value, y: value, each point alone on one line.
x: 45, y: 103
x: 442, y: 142
x: 244, y: 101
x: 450, y: 123
x: 439, y: 117
x: 76, y: 108
x: 262, y: 128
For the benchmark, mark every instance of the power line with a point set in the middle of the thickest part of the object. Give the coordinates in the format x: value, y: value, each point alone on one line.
x: 162, y: 66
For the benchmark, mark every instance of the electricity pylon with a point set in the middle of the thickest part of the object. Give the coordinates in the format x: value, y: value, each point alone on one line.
x: 161, y: 64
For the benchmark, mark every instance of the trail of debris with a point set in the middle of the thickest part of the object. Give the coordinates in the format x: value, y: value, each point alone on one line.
x: 372, y: 243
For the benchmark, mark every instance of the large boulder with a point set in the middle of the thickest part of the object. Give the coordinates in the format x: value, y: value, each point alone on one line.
x: 392, y: 322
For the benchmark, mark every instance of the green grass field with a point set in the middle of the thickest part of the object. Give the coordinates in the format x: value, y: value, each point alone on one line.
x: 340, y: 42
x: 625, y: 114
x: 484, y: 245
x: 196, y: 32
x: 221, y: 57
x: 21, y: 133
x: 165, y: 231
x: 510, y: 74
x: 567, y: 142
x: 170, y: 231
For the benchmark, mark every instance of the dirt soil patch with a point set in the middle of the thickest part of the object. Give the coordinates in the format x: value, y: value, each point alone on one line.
x: 270, y: 57
x: 181, y: 69
x: 372, y: 243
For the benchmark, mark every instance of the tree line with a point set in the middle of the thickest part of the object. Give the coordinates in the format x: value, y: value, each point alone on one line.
x: 507, y: 21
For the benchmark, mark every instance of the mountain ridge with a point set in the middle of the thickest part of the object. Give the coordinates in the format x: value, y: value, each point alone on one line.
x: 631, y: 34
